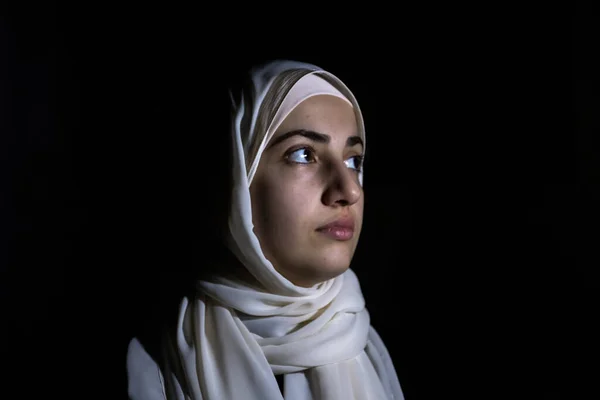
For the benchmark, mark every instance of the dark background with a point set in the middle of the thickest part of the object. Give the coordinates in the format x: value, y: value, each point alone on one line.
x: 477, y: 256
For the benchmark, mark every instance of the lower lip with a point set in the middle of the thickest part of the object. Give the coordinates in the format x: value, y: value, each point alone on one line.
x: 338, y: 233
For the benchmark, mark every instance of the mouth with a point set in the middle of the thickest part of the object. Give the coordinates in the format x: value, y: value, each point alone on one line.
x: 342, y: 229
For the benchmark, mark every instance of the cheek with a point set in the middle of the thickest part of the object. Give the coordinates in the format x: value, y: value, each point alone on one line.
x: 359, y: 210
x: 283, y: 208
x: 290, y: 209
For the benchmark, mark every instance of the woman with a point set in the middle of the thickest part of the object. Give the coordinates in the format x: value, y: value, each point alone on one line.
x: 284, y: 318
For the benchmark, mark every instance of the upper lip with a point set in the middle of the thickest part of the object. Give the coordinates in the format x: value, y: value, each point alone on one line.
x: 345, y: 222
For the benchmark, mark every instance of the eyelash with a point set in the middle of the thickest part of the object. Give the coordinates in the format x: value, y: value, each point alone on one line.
x: 358, y: 158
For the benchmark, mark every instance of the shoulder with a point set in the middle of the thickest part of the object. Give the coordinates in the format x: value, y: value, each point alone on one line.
x: 152, y: 361
x: 144, y: 377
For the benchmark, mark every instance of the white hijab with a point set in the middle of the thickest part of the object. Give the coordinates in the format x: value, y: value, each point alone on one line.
x: 236, y: 334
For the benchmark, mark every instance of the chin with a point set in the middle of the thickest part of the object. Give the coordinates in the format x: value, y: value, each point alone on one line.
x: 322, y: 276
x: 318, y: 264
x: 337, y: 257
x: 335, y: 272
x: 319, y: 269
x: 333, y: 268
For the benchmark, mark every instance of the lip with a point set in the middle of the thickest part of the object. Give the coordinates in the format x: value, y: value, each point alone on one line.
x: 345, y: 222
x: 341, y: 229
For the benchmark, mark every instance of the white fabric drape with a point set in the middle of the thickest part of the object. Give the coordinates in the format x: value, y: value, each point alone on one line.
x: 236, y: 334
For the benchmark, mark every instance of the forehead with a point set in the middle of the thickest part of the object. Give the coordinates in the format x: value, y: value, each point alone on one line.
x: 322, y: 113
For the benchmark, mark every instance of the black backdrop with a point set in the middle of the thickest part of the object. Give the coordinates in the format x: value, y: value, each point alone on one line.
x: 477, y: 256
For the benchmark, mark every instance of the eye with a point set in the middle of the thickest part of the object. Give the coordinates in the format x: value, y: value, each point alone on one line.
x: 355, y: 162
x: 303, y: 155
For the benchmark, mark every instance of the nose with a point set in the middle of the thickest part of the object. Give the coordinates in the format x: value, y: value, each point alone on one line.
x: 343, y: 188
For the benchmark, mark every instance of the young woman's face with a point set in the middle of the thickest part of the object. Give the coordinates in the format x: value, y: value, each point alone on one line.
x: 307, y: 202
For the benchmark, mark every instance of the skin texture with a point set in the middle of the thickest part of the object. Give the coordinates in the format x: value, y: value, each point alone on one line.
x: 302, y: 184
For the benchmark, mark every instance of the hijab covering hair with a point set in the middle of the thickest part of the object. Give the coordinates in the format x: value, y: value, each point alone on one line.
x: 238, y: 332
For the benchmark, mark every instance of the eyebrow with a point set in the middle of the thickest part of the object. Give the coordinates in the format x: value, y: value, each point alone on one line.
x: 314, y: 136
